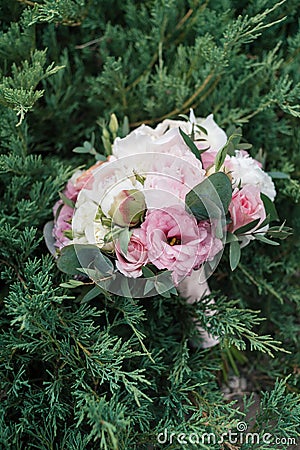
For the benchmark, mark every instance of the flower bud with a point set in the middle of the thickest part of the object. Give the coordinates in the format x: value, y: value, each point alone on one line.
x: 105, y: 133
x: 128, y: 208
x: 113, y: 124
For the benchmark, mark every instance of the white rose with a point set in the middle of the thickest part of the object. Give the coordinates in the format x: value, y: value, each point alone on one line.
x: 246, y: 170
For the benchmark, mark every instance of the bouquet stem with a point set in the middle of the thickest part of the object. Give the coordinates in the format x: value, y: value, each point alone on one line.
x: 194, y: 288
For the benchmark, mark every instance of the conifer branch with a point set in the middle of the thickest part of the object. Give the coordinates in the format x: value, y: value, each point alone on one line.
x: 185, y: 107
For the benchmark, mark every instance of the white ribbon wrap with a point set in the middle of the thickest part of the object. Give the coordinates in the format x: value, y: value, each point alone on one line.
x: 194, y: 288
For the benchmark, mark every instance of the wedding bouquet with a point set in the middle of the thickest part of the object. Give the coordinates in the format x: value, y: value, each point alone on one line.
x: 155, y: 215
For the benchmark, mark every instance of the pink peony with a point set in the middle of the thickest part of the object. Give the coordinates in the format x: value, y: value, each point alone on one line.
x: 131, y: 264
x: 246, y: 206
x: 208, y: 158
x: 175, y: 242
x: 62, y: 223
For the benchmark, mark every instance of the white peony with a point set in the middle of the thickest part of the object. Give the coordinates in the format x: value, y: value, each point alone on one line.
x: 246, y: 170
x: 141, y: 140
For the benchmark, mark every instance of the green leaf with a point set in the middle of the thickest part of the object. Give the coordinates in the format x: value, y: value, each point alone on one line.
x: 281, y: 232
x: 202, y: 129
x: 100, y: 157
x: 269, y: 207
x: 165, y: 285
x: 124, y: 238
x: 49, y: 238
x: 262, y: 238
x: 149, y: 285
x: 72, y: 284
x: 125, y: 127
x: 220, y: 158
x: 214, y: 191
x: 75, y: 257
x: 80, y: 150
x: 234, y: 254
x: 247, y: 227
x: 227, y: 149
x: 67, y: 261
x: 147, y: 272
x: 91, y: 294
x: 243, y: 146
x: 279, y: 175
x: 190, y: 144
x: 230, y: 237
x: 184, y: 116
x: 66, y: 200
x: 264, y: 223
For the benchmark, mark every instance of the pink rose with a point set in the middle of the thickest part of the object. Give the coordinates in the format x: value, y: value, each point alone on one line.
x: 210, y: 245
x: 174, y: 241
x: 131, y: 264
x: 246, y: 206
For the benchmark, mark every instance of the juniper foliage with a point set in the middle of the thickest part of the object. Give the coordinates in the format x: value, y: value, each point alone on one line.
x: 113, y: 373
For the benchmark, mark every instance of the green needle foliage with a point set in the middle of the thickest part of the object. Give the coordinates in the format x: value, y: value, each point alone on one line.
x: 112, y: 373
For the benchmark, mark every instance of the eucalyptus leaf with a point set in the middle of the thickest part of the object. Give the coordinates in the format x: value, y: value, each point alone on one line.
x: 67, y: 201
x: 91, y: 294
x: 280, y: 232
x: 81, y: 150
x: 248, y: 227
x: 234, y: 254
x: 244, y: 146
x: 190, y: 144
x: 147, y: 272
x: 269, y: 207
x: 279, y: 175
x: 124, y: 238
x: 220, y: 158
x: 202, y: 129
x: 215, y: 190
x: 262, y: 238
x: 184, y: 116
x: 264, y: 223
x: 67, y: 261
x: 74, y: 257
x: 100, y: 157
x: 72, y: 284
x: 230, y: 237
x: 149, y: 285
x: 49, y: 238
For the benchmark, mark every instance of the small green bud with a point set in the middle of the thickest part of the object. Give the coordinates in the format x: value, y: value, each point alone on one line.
x: 113, y: 124
x: 105, y: 133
